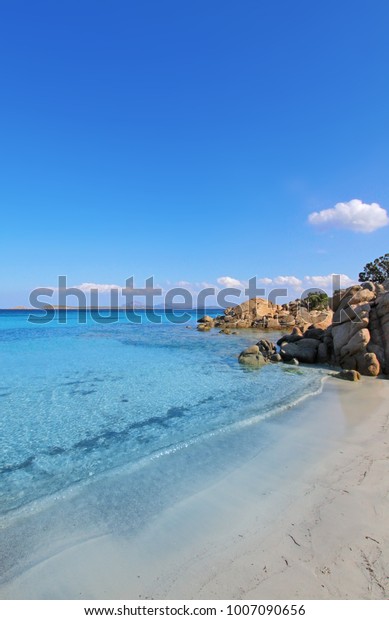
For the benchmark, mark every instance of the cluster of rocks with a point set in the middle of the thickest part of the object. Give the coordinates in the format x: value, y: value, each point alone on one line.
x: 263, y: 314
x: 353, y: 335
x: 259, y: 354
x: 205, y: 323
x: 360, y: 329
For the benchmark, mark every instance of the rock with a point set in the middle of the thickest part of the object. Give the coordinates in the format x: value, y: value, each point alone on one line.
x: 323, y: 319
x: 314, y: 332
x: 286, y: 321
x: 342, y: 298
x: 378, y: 350
x: 206, y: 319
x: 357, y: 343
x: 371, y: 286
x: 382, y: 314
x: 276, y: 357
x: 255, y: 308
x: 292, y: 362
x: 323, y: 355
x: 305, y: 350
x: 271, y: 323
x: 205, y: 323
x: 254, y: 349
x: 289, y: 338
x: 348, y: 375
x: 225, y: 331
x: 317, y: 318
x: 355, y: 312
x: 252, y: 357
x: 266, y: 347
x: 365, y: 294
x: 244, y: 323
x: 368, y: 364
x: 252, y: 360
x: 346, y: 340
x: 203, y: 327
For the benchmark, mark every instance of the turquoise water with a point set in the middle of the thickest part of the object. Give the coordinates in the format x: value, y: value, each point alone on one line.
x: 79, y: 400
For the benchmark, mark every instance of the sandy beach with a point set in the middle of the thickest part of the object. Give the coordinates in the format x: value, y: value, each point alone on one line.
x: 307, y: 520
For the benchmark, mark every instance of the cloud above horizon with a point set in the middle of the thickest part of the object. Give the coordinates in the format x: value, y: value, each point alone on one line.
x: 288, y: 281
x: 354, y: 215
x: 328, y: 282
x: 86, y: 287
x: 229, y: 282
x: 294, y: 286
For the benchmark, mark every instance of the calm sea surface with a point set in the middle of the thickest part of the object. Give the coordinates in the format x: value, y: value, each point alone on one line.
x: 78, y: 400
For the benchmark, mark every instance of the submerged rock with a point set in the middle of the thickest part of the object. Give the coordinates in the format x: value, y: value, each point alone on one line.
x: 252, y: 357
x: 205, y: 323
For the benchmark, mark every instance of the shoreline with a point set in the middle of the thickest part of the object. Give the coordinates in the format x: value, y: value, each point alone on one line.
x: 305, y: 519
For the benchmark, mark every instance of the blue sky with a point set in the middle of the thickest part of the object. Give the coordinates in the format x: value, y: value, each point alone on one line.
x: 191, y: 140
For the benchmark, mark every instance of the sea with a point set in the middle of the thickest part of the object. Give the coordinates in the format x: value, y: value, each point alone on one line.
x: 171, y: 406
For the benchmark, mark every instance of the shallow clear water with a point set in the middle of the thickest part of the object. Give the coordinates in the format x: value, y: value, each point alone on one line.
x: 77, y: 400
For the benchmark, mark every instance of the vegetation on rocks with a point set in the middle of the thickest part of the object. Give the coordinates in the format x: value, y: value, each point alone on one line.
x: 376, y: 271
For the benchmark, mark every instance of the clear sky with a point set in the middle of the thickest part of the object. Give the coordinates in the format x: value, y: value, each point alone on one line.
x: 191, y: 141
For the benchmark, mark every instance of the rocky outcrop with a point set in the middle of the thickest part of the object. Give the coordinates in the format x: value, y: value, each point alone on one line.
x: 263, y: 314
x: 353, y: 334
x: 205, y: 323
x: 379, y: 341
x: 360, y: 334
x: 357, y: 339
x: 259, y: 354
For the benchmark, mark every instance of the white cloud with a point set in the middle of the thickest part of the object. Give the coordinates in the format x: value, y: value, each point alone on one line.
x: 86, y: 287
x: 265, y: 280
x: 328, y: 282
x: 229, y: 282
x: 354, y: 215
x: 288, y: 281
x: 102, y: 288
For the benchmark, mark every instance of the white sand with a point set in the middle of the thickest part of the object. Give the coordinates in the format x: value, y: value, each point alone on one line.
x: 315, y: 527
